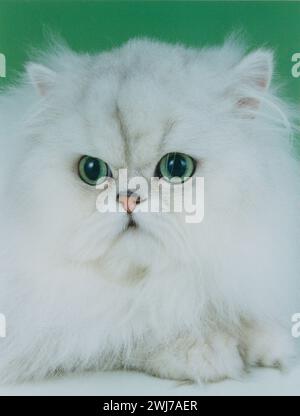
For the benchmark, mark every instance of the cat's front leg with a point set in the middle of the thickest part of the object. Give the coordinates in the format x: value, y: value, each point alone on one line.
x: 266, y: 344
x: 212, y: 359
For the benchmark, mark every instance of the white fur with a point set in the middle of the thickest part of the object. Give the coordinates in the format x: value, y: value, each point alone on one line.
x: 178, y: 300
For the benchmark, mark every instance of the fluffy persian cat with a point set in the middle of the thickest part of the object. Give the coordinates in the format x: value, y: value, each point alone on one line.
x: 83, y: 290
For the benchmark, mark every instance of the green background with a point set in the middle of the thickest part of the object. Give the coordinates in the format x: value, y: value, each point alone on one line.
x: 95, y: 25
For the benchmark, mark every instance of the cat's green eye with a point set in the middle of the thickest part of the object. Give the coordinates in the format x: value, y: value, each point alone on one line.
x: 93, y: 171
x: 175, y: 165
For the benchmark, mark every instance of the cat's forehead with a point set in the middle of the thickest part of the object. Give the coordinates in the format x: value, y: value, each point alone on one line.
x: 128, y: 121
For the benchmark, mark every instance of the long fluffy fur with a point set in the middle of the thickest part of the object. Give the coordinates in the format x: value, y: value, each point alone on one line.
x: 177, y: 300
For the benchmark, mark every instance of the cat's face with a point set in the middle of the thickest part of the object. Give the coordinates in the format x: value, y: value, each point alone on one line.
x: 123, y: 114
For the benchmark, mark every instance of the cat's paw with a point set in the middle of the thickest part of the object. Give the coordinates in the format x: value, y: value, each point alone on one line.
x: 265, y: 346
x: 214, y: 359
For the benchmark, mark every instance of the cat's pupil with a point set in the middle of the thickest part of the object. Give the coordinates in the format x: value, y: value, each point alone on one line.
x: 92, y: 169
x: 177, y: 166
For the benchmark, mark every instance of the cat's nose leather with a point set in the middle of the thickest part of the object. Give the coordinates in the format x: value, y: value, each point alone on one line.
x: 129, y: 201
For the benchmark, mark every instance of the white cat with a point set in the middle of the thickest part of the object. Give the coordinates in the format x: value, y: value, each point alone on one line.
x: 84, y: 290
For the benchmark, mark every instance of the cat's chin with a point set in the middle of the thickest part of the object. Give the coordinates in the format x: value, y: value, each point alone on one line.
x: 127, y: 260
x: 134, y: 242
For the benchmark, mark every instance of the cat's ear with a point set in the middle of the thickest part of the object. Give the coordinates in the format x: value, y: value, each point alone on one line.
x: 41, y: 77
x: 252, y: 77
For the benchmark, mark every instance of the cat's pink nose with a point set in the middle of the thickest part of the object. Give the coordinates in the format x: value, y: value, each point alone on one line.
x: 129, y: 201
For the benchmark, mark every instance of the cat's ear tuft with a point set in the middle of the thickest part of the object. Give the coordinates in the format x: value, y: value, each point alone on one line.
x: 252, y: 77
x: 41, y: 77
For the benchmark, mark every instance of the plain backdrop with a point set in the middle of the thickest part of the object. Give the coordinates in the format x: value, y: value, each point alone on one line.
x: 91, y: 26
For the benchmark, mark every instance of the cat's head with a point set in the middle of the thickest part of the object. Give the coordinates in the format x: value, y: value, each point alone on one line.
x: 134, y: 108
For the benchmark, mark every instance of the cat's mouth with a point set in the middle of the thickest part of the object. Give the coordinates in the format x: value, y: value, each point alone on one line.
x: 131, y: 223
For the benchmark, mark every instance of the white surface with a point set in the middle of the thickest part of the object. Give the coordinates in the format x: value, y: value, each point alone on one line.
x: 258, y: 382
